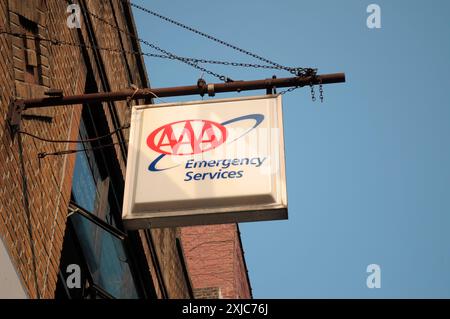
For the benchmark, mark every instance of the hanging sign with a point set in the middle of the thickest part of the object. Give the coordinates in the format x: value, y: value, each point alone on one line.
x: 206, y: 162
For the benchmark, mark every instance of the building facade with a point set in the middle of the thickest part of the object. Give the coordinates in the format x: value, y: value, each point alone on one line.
x: 216, y: 262
x: 61, y: 234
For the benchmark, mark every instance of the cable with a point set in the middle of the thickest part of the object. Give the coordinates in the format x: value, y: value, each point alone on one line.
x: 149, y: 91
x: 65, y: 152
x: 124, y: 127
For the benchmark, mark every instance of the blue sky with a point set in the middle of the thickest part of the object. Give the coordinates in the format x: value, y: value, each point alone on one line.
x: 369, y: 169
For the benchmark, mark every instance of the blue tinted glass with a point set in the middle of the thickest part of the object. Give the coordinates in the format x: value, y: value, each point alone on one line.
x: 104, y: 252
x: 106, y: 258
x: 87, y: 180
x: 84, y: 189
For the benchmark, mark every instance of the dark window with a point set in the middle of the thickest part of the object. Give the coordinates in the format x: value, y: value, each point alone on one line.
x: 104, y: 250
x: 113, y: 261
x: 100, y: 251
x: 90, y: 189
x: 94, y: 239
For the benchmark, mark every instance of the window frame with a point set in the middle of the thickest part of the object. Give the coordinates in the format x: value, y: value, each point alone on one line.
x: 93, y: 289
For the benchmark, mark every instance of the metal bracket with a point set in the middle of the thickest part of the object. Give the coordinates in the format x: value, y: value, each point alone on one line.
x: 211, y: 90
x: 273, y: 89
x: 202, y: 86
x: 14, y: 117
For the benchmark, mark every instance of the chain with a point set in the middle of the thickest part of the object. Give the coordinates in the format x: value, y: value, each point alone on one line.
x: 168, y: 55
x: 165, y: 52
x: 194, y: 62
x: 162, y: 56
x: 204, y: 34
x: 321, y: 91
x: 313, y: 94
x: 191, y: 61
x: 297, y: 71
x: 289, y: 90
x: 227, y: 63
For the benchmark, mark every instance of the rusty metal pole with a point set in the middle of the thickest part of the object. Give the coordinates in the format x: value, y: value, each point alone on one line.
x: 16, y: 107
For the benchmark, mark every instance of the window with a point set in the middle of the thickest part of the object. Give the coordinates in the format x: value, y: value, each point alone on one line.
x: 94, y: 237
x: 90, y: 188
x: 104, y: 252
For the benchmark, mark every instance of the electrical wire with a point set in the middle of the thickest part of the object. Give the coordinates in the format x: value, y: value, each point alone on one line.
x: 90, y: 140
x: 65, y: 152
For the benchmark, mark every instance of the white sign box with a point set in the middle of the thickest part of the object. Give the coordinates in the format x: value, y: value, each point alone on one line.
x: 206, y: 162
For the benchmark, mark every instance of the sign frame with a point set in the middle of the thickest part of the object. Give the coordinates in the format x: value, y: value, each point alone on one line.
x: 199, y: 216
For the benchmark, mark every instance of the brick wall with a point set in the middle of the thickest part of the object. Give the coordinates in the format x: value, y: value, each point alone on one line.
x: 34, y: 194
x: 169, y: 263
x: 215, y: 261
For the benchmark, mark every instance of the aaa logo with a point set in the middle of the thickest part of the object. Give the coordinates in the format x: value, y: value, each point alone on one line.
x: 187, y: 137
